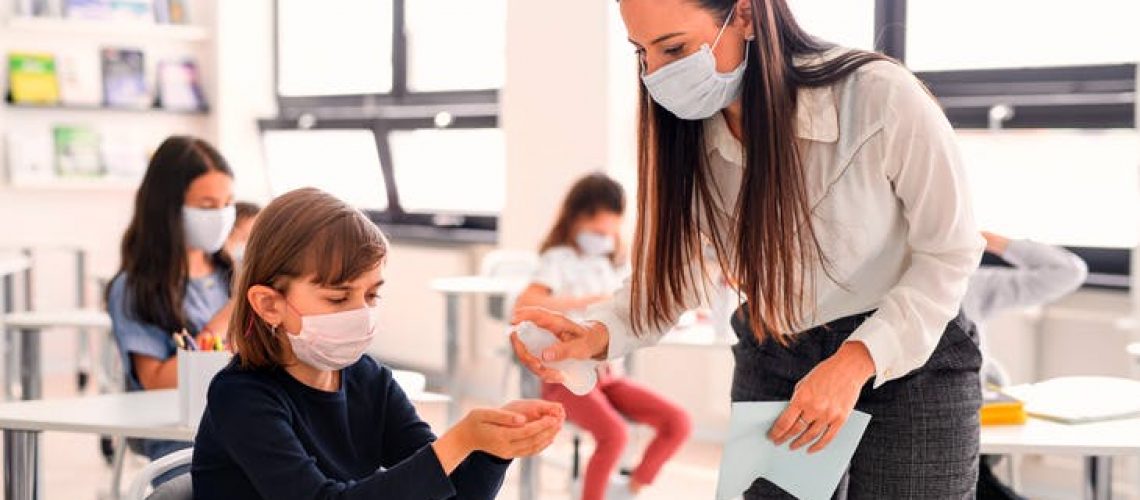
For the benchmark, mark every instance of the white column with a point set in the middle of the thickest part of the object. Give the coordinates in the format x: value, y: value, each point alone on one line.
x: 560, y: 111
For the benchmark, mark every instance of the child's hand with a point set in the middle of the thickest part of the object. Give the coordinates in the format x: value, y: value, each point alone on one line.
x: 534, y: 409
x: 487, y: 431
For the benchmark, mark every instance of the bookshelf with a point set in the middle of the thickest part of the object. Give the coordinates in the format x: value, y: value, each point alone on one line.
x: 25, y: 126
x: 102, y: 30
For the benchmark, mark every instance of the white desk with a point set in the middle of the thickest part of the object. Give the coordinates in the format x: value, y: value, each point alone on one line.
x: 144, y: 415
x: 30, y: 324
x: 1097, y: 442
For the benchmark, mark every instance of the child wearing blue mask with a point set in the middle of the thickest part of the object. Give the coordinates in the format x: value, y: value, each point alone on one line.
x: 174, y: 275
x: 302, y: 413
x: 582, y: 264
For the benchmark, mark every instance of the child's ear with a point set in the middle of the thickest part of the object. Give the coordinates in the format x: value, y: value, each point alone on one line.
x: 266, y: 304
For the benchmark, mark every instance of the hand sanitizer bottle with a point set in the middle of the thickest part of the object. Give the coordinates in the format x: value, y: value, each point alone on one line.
x: 579, y: 375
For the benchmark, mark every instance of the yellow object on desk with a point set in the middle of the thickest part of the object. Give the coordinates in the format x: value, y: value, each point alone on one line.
x: 1001, y: 409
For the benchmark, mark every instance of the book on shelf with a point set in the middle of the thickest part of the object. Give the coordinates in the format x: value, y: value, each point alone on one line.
x: 29, y: 157
x: 179, y: 86
x: 79, y: 82
x: 78, y: 152
x: 171, y: 12
x: 124, y: 79
x: 32, y: 78
x: 110, y: 10
x: 125, y: 155
x: 38, y: 8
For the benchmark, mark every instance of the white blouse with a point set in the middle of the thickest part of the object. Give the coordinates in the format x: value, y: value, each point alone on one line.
x: 891, y: 210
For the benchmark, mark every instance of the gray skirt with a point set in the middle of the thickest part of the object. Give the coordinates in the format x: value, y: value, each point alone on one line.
x: 922, y: 441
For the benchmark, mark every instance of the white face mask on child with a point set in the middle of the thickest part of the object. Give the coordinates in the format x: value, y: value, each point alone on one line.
x: 334, y: 341
x: 207, y: 228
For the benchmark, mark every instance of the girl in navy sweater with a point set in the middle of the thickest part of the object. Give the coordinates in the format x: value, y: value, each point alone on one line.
x: 300, y: 413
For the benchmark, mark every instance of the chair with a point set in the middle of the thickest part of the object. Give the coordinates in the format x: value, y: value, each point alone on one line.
x: 507, y: 264
x: 177, y: 488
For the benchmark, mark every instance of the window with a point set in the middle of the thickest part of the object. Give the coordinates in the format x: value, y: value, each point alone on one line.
x: 402, y: 98
x: 849, y: 23
x: 982, y: 34
x: 1077, y: 188
x: 456, y: 45
x: 345, y: 163
x: 473, y: 162
x: 334, y: 48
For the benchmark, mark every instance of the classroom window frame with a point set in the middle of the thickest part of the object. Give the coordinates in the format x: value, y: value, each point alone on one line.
x: 399, y: 109
x: 1101, y: 96
x: 430, y: 227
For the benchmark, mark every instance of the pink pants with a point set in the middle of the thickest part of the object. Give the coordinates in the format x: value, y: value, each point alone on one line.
x: 601, y: 414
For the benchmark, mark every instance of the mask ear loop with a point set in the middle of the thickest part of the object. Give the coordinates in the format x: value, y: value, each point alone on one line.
x: 727, y: 21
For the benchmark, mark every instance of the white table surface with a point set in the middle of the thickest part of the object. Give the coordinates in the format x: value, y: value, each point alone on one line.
x: 78, y: 318
x: 144, y: 414
x: 478, y: 284
x: 1115, y: 437
x: 11, y: 264
x: 148, y: 414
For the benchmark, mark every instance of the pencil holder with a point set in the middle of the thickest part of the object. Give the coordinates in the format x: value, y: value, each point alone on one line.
x: 195, y: 371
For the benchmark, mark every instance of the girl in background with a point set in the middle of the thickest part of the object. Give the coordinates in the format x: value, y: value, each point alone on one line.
x: 174, y: 275
x: 582, y: 264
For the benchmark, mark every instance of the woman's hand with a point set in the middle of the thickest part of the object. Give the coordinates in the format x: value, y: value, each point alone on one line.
x: 823, y: 400
x: 577, y: 341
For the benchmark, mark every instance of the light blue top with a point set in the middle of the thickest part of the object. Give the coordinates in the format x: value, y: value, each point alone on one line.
x: 204, y: 297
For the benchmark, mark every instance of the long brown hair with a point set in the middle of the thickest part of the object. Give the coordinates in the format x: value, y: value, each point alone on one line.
x: 303, y: 232
x: 588, y: 196
x: 153, y: 251
x: 774, y: 239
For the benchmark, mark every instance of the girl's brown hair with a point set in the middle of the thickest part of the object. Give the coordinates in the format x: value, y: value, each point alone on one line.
x: 771, y: 230
x: 592, y: 194
x: 305, y: 233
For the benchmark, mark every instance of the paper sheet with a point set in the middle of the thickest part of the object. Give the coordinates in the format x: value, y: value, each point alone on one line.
x: 749, y: 455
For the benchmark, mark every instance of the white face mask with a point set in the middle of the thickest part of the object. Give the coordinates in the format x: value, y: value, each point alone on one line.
x: 334, y: 341
x: 595, y: 244
x: 691, y: 87
x: 207, y: 228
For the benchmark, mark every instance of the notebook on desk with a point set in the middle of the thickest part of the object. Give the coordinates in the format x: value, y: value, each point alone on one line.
x: 1079, y: 400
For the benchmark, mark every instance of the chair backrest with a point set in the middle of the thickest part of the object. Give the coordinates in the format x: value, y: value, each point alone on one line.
x: 507, y: 264
x: 177, y: 488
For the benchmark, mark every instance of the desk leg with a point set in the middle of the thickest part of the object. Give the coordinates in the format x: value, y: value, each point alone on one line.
x: 21, y: 465
x: 452, y: 358
x: 529, y: 388
x: 31, y: 378
x: 9, y: 353
x: 1098, y: 478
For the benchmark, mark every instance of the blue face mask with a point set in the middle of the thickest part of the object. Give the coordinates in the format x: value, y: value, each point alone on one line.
x: 691, y: 87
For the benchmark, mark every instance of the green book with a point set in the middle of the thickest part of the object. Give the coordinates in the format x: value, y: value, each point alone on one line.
x: 77, y: 152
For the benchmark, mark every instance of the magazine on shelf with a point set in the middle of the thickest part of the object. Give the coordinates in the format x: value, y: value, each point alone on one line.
x: 179, y: 86
x: 124, y: 79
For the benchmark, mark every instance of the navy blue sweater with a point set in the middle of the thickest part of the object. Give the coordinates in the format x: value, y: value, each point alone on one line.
x: 266, y: 435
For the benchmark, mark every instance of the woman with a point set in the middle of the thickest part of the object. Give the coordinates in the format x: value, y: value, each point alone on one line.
x: 174, y: 275
x: 582, y: 264
x: 829, y: 183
